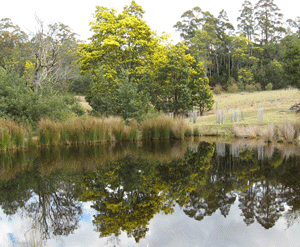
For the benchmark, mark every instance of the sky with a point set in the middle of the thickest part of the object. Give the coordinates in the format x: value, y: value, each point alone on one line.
x: 161, y: 15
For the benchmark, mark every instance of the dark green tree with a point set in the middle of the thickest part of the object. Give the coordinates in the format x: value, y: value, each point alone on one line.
x: 291, y: 60
x: 246, y: 21
x: 269, y: 21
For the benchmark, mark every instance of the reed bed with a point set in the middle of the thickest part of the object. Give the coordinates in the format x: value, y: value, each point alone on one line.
x: 84, y: 130
x: 49, y: 132
x: 12, y: 135
x: 163, y: 127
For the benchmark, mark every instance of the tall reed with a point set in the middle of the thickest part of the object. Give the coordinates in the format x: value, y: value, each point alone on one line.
x: 178, y: 128
x: 49, y: 131
x: 163, y: 127
x: 4, y: 137
x: 157, y: 128
x: 118, y: 127
x: 131, y: 131
x: 73, y: 131
x: 12, y: 134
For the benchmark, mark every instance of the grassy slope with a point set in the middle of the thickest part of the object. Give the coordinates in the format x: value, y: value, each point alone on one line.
x: 271, y: 101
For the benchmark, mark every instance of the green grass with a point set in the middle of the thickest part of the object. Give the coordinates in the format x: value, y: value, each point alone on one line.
x: 274, y: 103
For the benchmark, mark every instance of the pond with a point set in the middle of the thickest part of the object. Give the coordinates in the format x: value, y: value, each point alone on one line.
x: 167, y: 193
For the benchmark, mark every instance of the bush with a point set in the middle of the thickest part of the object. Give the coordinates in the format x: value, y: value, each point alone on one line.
x: 240, y: 86
x: 231, y: 81
x: 233, y: 88
x: 20, y: 103
x: 257, y: 86
x: 250, y: 88
x: 269, y: 87
x: 217, y: 89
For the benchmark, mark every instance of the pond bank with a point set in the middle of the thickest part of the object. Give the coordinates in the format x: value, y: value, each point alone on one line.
x: 285, y: 132
x: 90, y: 130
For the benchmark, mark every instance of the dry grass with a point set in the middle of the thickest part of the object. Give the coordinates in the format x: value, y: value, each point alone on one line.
x: 85, y: 105
x: 245, y: 131
x: 287, y: 131
x: 268, y: 132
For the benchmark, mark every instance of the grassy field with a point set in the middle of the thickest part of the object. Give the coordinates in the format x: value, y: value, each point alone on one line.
x: 274, y: 104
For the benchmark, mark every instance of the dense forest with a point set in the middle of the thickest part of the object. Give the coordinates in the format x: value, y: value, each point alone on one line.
x: 127, y: 69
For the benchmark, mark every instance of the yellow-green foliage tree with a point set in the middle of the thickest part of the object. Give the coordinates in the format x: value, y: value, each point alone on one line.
x: 171, y: 83
x: 120, y: 42
x: 124, y: 42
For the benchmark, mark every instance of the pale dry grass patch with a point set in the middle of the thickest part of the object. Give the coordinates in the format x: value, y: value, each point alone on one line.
x: 245, y: 131
x: 287, y: 131
x: 268, y: 132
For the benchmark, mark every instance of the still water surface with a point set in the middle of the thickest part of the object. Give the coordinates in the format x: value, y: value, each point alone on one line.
x: 188, y: 193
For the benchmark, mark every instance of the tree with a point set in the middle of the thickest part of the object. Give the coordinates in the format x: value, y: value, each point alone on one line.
x: 11, y: 36
x: 202, y: 96
x: 173, y: 75
x: 295, y: 24
x: 268, y: 17
x: 53, y: 54
x: 209, y: 40
x: 246, y: 20
x: 192, y: 20
x: 121, y: 42
x: 132, y: 104
x: 291, y: 60
x: 20, y: 103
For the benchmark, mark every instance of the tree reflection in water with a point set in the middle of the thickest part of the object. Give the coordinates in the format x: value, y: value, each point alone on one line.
x: 128, y: 184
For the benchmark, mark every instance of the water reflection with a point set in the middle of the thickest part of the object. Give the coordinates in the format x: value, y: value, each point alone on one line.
x: 128, y: 184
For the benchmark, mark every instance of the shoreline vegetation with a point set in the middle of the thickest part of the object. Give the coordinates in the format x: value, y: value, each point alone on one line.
x: 278, y: 125
x: 87, y: 130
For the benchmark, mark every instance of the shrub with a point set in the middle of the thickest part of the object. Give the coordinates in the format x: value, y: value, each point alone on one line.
x: 240, y: 86
x: 233, y: 88
x: 250, y: 88
x: 217, y: 89
x: 269, y: 87
x: 231, y: 81
x: 257, y: 86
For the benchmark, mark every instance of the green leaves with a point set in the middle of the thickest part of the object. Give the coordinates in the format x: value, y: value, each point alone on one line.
x: 268, y: 17
x: 291, y: 60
